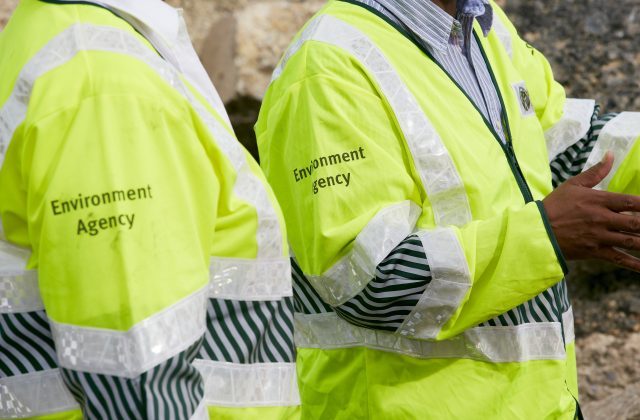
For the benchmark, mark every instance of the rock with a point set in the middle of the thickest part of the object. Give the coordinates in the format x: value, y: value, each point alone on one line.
x: 596, y: 23
x: 243, y: 47
x: 623, y: 405
x: 632, y: 22
x: 240, y: 42
x: 606, y: 364
x: 219, y: 57
x: 6, y: 7
x: 605, y: 299
x: 598, y: 60
x: 264, y: 32
x: 201, y: 15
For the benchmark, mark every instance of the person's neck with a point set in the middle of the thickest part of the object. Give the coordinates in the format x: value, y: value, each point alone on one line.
x: 448, y: 6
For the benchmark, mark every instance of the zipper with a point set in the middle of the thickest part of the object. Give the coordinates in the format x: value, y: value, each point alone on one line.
x: 515, y: 167
x: 509, y: 151
x: 507, y: 147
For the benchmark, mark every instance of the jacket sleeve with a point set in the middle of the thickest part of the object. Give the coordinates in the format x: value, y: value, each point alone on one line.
x: 619, y: 133
x: 121, y: 210
x: 572, y: 161
x: 345, y: 234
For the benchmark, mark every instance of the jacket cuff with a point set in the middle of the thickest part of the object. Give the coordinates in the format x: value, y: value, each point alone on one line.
x: 552, y: 237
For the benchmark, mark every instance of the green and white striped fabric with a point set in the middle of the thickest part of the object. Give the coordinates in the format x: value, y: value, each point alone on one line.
x: 389, y: 298
x: 26, y: 344
x: 546, y: 307
x: 239, y: 332
x: 386, y: 301
x: 571, y: 162
x: 170, y: 390
x: 249, y: 331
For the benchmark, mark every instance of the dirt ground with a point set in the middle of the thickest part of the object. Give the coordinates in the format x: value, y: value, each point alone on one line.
x: 606, y: 304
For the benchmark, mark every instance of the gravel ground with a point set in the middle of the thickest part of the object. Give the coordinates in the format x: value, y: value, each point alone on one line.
x: 606, y: 304
x: 592, y: 45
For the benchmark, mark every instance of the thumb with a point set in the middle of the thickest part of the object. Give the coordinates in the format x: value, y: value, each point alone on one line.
x: 592, y: 176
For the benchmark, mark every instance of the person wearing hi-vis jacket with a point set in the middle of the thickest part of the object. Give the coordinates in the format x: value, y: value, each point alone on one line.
x: 429, y: 265
x: 144, y: 266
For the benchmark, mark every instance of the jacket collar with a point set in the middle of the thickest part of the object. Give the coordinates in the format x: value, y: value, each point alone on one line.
x: 155, y: 14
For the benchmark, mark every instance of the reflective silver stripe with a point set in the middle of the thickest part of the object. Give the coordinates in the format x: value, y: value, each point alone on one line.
x: 34, y: 394
x: 85, y: 37
x: 567, y: 323
x: 432, y: 160
x: 451, y: 280
x: 18, y: 286
x: 618, y: 136
x: 574, y: 125
x: 541, y: 341
x: 503, y: 34
x: 249, y: 385
x: 12, y: 114
x: 201, y: 412
x: 378, y: 238
x: 246, y: 279
x: 133, y: 352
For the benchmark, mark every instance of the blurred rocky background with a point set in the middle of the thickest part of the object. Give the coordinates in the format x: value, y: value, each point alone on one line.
x: 594, y: 50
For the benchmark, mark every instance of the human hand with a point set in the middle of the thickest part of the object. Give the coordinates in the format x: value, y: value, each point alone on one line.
x: 592, y: 224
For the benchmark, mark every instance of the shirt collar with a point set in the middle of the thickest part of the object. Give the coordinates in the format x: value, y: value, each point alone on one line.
x: 434, y: 25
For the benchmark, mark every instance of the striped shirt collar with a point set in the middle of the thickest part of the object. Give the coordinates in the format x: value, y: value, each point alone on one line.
x: 432, y: 24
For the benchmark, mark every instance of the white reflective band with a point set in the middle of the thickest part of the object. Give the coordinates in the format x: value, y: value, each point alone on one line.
x: 201, y: 412
x: 503, y: 34
x: 574, y: 125
x: 438, y: 173
x: 567, y: 323
x: 34, y: 394
x: 133, y: 352
x: 541, y: 341
x: 378, y: 238
x: 85, y: 37
x: 618, y: 136
x: 448, y: 287
x: 249, y: 385
x: 245, y: 279
x: 18, y: 286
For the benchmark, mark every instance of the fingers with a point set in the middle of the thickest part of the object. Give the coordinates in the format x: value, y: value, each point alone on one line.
x: 624, y: 223
x: 628, y: 241
x: 594, y: 175
x: 620, y: 202
x: 621, y: 259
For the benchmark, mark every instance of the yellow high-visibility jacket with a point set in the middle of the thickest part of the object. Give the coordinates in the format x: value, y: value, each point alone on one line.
x: 144, y: 267
x: 366, y: 140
